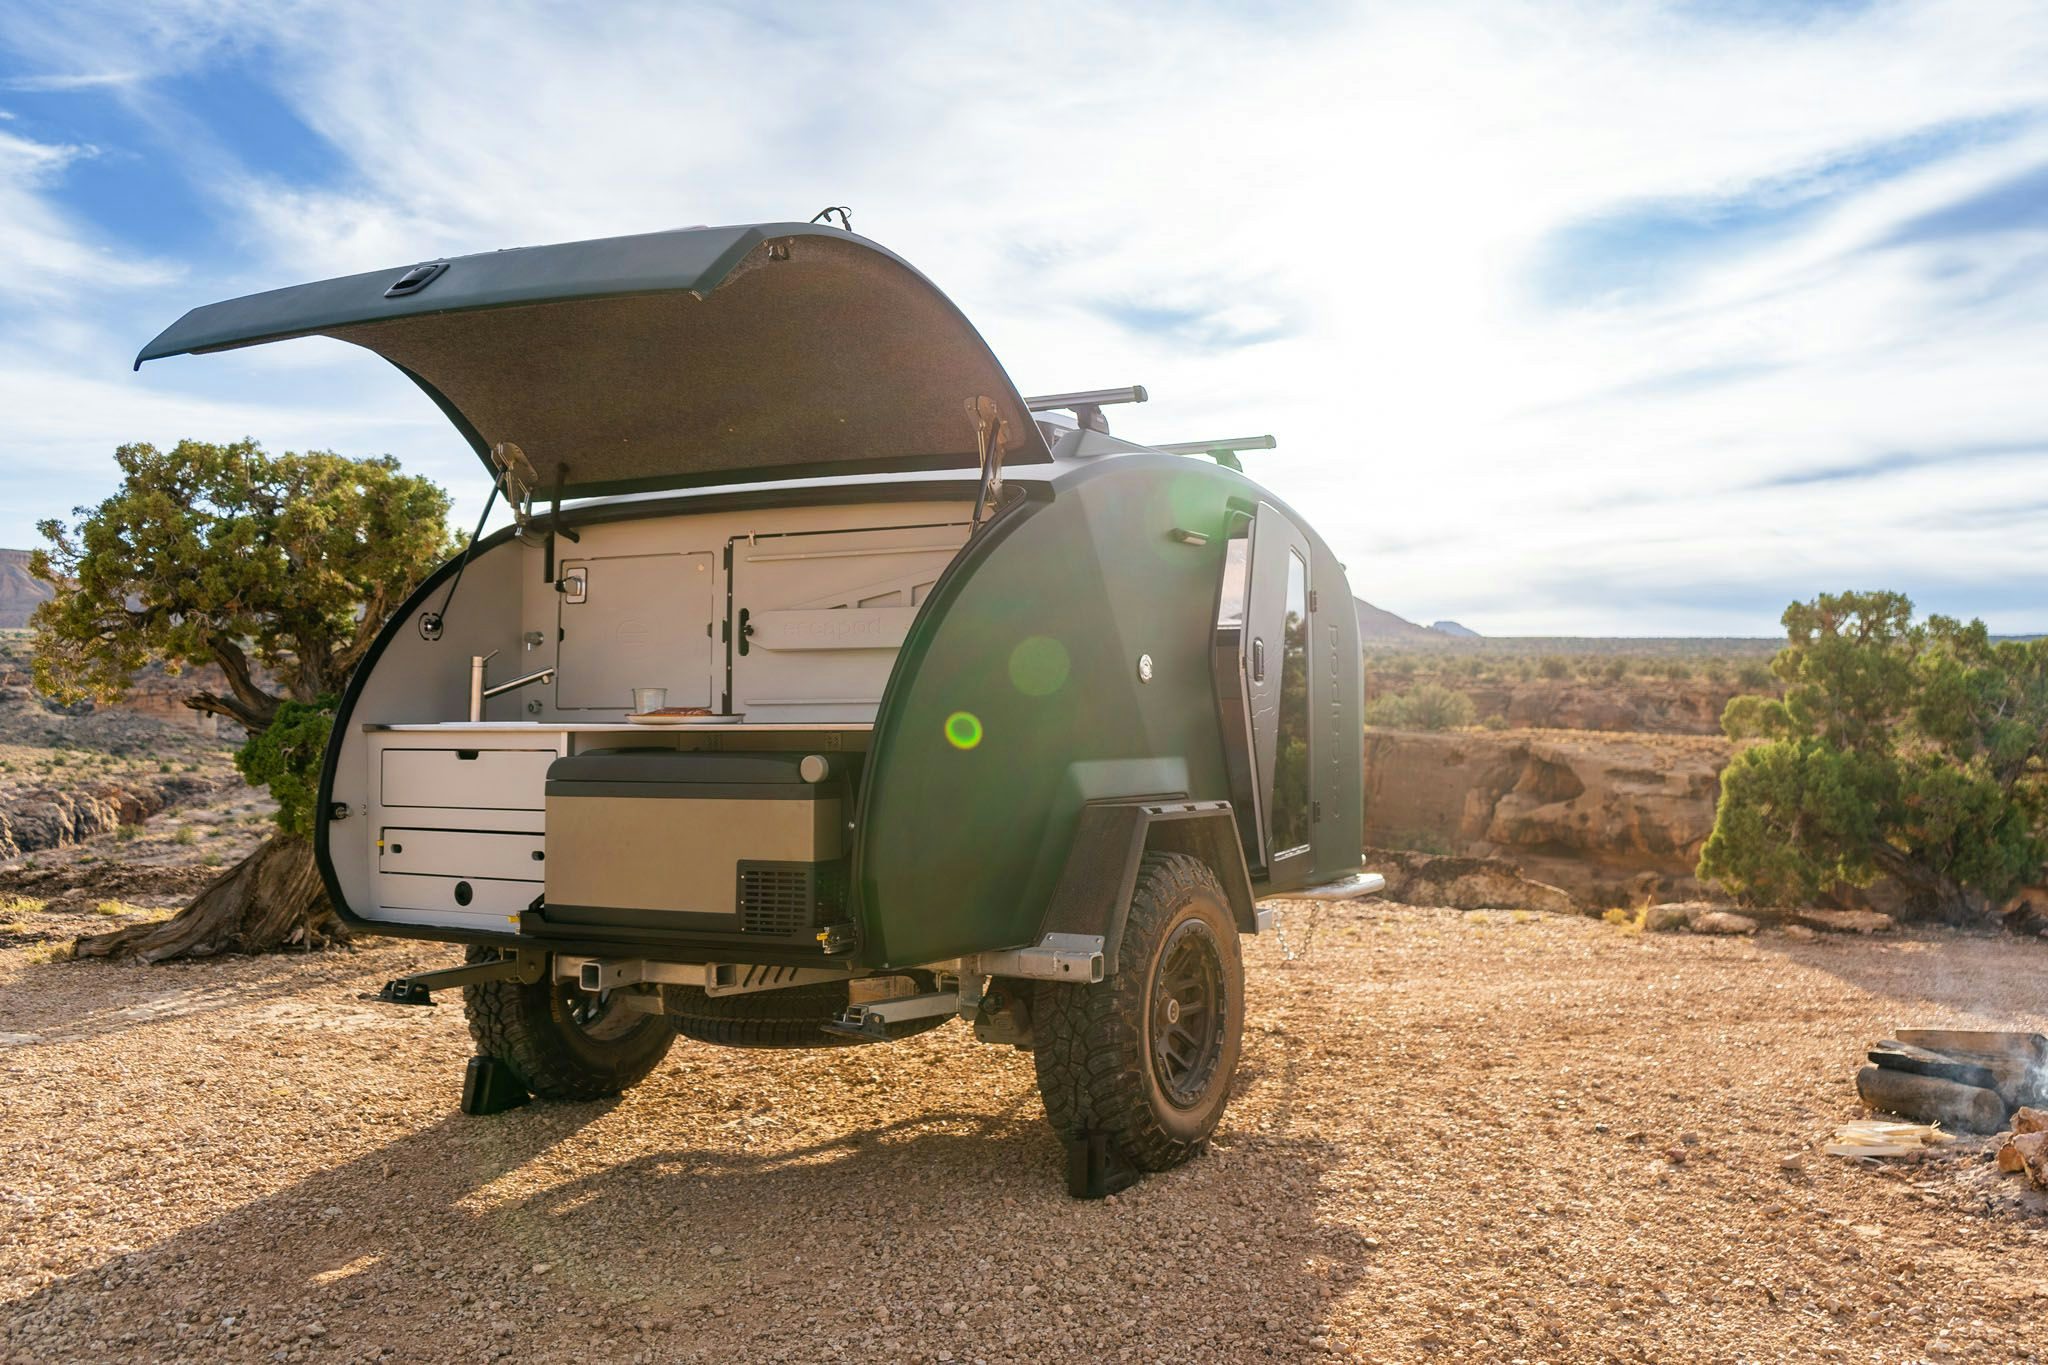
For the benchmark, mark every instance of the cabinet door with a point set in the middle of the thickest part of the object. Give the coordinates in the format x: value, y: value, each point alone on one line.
x: 817, y: 619
x: 632, y: 621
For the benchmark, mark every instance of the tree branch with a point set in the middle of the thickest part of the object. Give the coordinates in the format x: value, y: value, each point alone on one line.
x: 252, y: 708
x: 213, y: 704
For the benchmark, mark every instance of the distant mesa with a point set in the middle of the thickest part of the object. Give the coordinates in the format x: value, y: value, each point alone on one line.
x: 19, y: 593
x: 1377, y: 623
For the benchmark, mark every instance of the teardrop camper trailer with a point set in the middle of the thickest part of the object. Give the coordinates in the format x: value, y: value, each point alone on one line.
x: 824, y: 689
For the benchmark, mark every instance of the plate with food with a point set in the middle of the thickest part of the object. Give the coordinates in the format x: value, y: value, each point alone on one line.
x: 680, y: 715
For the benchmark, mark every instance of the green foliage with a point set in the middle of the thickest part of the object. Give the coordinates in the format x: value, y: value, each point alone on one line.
x: 1918, y: 751
x: 1555, y: 666
x: 1430, y: 706
x: 1754, y: 676
x: 278, y: 565
x: 225, y: 554
x: 286, y: 757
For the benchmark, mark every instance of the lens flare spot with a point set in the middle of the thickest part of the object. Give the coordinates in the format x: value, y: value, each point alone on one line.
x: 1039, y: 666
x: 963, y: 730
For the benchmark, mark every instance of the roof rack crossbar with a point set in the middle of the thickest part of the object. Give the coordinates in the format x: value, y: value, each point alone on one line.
x: 1087, y: 398
x: 1223, y: 452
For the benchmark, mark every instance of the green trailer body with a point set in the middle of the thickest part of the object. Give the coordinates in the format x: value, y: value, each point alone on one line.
x: 998, y: 717
x: 1037, y: 638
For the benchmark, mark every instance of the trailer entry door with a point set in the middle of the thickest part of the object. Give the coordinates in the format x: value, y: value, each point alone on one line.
x: 1277, y: 627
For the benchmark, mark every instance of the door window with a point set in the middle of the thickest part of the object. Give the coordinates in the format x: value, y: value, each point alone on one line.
x: 1290, y: 754
x: 1236, y: 573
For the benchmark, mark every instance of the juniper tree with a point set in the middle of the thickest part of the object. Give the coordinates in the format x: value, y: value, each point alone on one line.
x: 1917, y: 751
x: 277, y: 568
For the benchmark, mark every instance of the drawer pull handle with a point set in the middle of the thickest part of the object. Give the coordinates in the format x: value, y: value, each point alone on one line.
x: 539, y: 856
x: 398, y: 848
x: 466, y: 755
x: 464, y: 894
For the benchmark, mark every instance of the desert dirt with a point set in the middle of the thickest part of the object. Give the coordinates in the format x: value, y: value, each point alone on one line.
x: 1455, y: 1136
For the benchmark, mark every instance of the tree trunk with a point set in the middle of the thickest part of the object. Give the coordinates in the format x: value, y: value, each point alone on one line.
x: 1934, y: 893
x: 272, y: 899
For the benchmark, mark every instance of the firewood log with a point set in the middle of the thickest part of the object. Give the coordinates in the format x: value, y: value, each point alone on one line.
x: 1931, y: 1099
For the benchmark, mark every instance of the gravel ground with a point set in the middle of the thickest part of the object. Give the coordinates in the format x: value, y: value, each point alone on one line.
x: 1473, y: 1136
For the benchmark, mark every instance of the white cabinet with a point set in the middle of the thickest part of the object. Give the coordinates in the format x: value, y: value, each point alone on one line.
x: 468, y: 779
x: 507, y: 856
x: 457, y: 824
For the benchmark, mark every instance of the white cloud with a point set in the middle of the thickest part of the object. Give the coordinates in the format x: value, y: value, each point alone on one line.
x: 48, y: 254
x: 83, y: 80
x: 1368, y: 189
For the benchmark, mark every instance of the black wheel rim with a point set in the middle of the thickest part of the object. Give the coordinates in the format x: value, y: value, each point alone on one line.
x: 1188, y: 1011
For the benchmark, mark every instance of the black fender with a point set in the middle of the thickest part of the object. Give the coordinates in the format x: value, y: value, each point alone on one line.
x: 1093, y: 895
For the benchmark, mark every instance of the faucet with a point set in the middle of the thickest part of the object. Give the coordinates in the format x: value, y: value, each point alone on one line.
x: 479, y: 694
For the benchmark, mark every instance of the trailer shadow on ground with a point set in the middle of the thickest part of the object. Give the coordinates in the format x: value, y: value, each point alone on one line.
x: 895, y: 1232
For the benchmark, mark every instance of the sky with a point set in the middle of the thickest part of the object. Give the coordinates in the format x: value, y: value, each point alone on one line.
x: 1600, y: 319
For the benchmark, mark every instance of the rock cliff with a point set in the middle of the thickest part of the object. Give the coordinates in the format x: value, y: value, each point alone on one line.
x: 54, y: 817
x: 1609, y: 817
x: 19, y: 593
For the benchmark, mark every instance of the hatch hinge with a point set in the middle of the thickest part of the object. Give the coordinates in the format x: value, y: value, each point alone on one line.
x: 518, y: 481
x: 991, y: 434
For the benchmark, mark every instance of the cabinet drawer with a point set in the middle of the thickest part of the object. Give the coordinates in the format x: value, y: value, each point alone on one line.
x: 485, y: 895
x: 473, y: 779
x: 463, y: 853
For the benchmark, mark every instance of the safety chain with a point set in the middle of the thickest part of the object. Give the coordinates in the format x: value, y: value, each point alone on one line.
x: 1287, y: 953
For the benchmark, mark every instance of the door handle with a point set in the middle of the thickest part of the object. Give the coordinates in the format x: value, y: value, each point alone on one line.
x: 746, y: 630
x: 1258, y: 660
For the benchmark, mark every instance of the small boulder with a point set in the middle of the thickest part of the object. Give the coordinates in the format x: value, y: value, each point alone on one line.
x: 1799, y: 933
x: 1723, y: 922
x: 1846, y: 921
x: 1666, y: 919
x: 2026, y: 1120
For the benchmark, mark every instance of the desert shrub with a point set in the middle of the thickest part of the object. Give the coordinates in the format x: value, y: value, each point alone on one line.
x: 1555, y: 666
x: 1677, y: 670
x: 1754, y: 676
x: 1614, y: 670
x: 127, y: 832
x: 185, y: 835
x: 1429, y: 706
x: 287, y: 757
x: 13, y: 909
x: 1495, y: 722
x: 1913, y: 750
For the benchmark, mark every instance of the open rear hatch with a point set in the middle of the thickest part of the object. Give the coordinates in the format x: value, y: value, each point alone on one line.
x: 669, y: 359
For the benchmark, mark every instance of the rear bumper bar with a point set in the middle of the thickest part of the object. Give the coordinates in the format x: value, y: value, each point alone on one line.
x: 1357, y: 885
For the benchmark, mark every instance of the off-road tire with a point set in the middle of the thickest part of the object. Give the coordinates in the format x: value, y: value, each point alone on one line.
x: 792, y: 1017
x: 533, y: 1030
x: 1097, y: 1071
